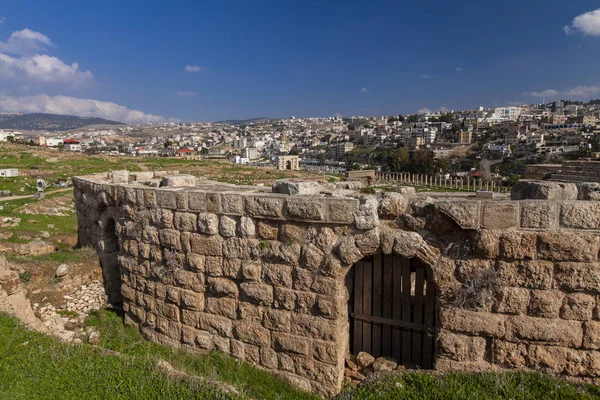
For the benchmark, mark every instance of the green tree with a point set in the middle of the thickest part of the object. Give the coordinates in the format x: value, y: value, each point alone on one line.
x: 10, y: 139
x: 413, y: 118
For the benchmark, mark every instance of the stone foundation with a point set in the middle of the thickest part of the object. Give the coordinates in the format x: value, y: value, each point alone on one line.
x: 261, y: 275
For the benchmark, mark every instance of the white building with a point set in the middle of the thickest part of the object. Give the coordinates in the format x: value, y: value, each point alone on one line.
x: 9, y: 173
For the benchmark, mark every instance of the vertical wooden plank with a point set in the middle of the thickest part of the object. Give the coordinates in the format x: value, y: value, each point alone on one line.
x: 377, y: 297
x: 367, y: 303
x: 428, y: 339
x: 406, y: 285
x: 397, y: 307
x: 418, y: 316
x: 386, y: 331
x: 358, y: 302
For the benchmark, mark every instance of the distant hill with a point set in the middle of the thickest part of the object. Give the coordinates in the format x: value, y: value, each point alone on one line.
x: 242, y: 121
x: 49, y: 122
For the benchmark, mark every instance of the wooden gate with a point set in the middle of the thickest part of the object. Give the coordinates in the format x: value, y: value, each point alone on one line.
x: 393, y: 310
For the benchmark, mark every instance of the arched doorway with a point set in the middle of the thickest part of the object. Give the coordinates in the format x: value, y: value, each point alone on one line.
x: 109, y: 261
x: 392, y: 310
x: 288, y: 164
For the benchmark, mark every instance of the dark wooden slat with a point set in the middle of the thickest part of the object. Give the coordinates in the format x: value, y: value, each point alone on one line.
x: 397, y: 307
x: 358, y: 306
x: 386, y: 331
x: 428, y: 339
x: 392, y: 322
x: 367, y: 303
x: 418, y: 316
x: 406, y: 285
x: 376, y: 312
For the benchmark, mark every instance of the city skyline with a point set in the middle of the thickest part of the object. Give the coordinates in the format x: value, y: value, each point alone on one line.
x: 234, y: 61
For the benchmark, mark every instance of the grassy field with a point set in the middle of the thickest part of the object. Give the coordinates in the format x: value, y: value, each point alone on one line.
x: 34, y: 366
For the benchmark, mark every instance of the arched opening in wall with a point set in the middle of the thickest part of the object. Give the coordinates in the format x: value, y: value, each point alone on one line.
x: 288, y: 165
x: 392, y: 310
x: 109, y: 261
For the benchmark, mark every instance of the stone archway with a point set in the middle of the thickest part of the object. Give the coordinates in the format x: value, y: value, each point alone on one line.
x: 288, y: 164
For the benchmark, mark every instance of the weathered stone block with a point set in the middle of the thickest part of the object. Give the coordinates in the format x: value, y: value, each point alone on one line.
x: 472, y: 322
x: 500, y: 215
x: 268, y: 358
x: 251, y: 271
x: 568, y: 247
x: 580, y: 215
x: 232, y: 204
x: 518, y: 245
x: 512, y: 300
x: 227, y: 226
x: 591, y: 335
x: 166, y: 199
x: 311, y: 257
x: 545, y: 303
x: 208, y: 223
x: 348, y: 252
x: 538, y: 214
x: 213, y: 266
x: 185, y: 221
x: 247, y: 227
x: 277, y: 275
x: 267, y: 230
x: 223, y: 287
x: 326, y: 352
x: 207, y: 245
x: 253, y: 333
x: 178, y: 180
x: 534, y: 274
x: 263, y: 206
x: 196, y: 262
x: 294, y: 188
x: 342, y: 210
x: 550, y: 331
x: 578, y: 276
x: 257, y: 293
x: 578, y: 306
x: 192, y: 300
x: 290, y: 344
x: 464, y: 213
x: 366, y: 217
x: 543, y: 190
x: 392, y: 205
x: 461, y: 347
x: 277, y: 320
x: 305, y: 209
x: 223, y: 306
x: 486, y: 243
x: 197, y: 201
x: 170, y: 238
x: 314, y: 327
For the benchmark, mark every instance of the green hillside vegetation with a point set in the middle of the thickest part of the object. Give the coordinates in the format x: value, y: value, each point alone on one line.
x: 50, y: 122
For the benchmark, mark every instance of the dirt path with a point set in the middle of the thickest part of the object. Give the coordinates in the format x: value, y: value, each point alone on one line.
x: 28, y: 196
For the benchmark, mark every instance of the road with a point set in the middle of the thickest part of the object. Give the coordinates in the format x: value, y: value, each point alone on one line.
x: 29, y: 196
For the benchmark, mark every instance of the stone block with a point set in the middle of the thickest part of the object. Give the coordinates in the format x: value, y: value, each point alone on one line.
x: 257, y: 293
x: 486, y: 243
x: 461, y: 347
x: 253, y: 334
x: 294, y: 187
x: 227, y: 226
x: 197, y: 201
x: 580, y: 215
x: 166, y: 199
x: 500, y: 215
x: 290, y: 344
x: 192, y: 300
x: 232, y: 203
x: 367, y: 217
x: 543, y: 190
x: 578, y: 276
x: 578, y: 306
x: 161, y: 218
x: 277, y: 320
x: 264, y: 206
x: 306, y: 209
x: 213, y: 266
x: 178, y: 180
x: 545, y: 303
x: 223, y: 287
x: 267, y: 230
x: 472, y: 322
x: 268, y: 358
x: 568, y: 247
x: 392, y: 205
x: 347, y: 251
x: 223, y: 306
x: 247, y: 227
x: 512, y: 300
x: 341, y: 210
x: 196, y: 262
x: 207, y: 245
x: 120, y: 176
x: 170, y: 238
x: 208, y: 223
x: 539, y: 214
x: 311, y: 257
x: 314, y: 327
x: 251, y: 271
x: 326, y: 352
x: 518, y: 245
x: 368, y: 242
x: 277, y: 275
x: 542, y: 330
x: 534, y: 274
x: 591, y: 335
x: 464, y: 213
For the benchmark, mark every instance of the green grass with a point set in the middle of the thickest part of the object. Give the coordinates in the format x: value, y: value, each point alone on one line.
x: 484, y: 386
x: 34, y: 366
x: 251, y: 381
x: 77, y: 255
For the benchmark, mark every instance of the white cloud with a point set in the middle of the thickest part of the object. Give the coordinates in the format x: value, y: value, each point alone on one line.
x: 587, y: 23
x: 186, y: 94
x: 25, y: 41
x: 543, y: 93
x: 424, y: 111
x: 193, y: 68
x: 425, y: 76
x: 67, y: 105
x: 364, y: 90
x: 583, y: 91
x: 43, y: 68
x: 459, y: 69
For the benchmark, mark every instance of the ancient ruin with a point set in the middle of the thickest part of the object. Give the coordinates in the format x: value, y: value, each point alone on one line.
x: 298, y: 276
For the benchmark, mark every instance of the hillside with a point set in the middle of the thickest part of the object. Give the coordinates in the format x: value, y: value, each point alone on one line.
x: 49, y: 122
x: 238, y: 122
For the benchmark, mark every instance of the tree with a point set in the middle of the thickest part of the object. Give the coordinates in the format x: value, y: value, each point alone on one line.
x: 31, y: 142
x: 413, y: 118
x: 401, y: 118
x: 61, y: 146
x: 448, y: 117
x: 10, y: 139
x: 351, y: 127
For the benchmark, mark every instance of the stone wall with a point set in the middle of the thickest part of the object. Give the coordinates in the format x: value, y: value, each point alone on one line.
x: 261, y: 275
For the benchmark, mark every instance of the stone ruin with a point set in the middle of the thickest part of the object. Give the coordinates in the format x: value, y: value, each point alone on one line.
x: 267, y: 274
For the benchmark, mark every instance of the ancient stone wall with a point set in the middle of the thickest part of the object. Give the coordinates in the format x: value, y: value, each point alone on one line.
x: 262, y: 275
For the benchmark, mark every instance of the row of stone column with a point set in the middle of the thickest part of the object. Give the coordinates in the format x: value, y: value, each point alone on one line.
x: 440, y: 182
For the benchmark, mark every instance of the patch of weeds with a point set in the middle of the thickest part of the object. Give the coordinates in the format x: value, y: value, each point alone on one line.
x: 478, y: 290
x: 25, y: 276
x: 262, y: 245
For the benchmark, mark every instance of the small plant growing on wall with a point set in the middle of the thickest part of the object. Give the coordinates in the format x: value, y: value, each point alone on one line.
x: 478, y: 290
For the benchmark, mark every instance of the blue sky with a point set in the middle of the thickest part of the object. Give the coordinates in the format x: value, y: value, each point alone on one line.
x: 303, y: 58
